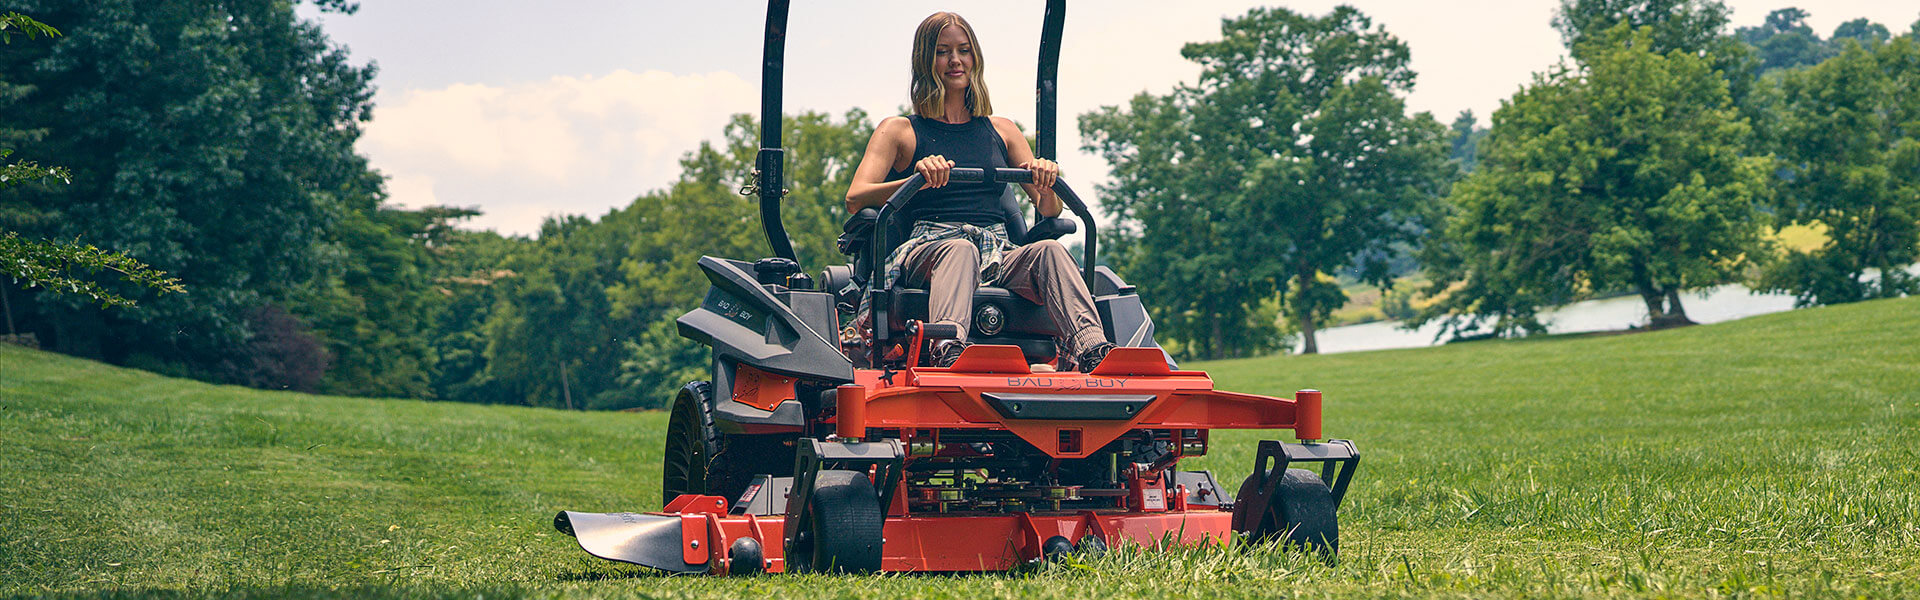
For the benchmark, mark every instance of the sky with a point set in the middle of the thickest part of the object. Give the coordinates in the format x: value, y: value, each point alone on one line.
x: 578, y: 106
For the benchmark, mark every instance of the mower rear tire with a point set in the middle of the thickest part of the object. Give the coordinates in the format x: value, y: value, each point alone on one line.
x: 843, y: 527
x: 692, y: 443
x: 702, y: 460
x: 1301, y: 510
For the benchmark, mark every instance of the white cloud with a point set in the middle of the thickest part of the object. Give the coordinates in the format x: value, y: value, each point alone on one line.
x: 521, y: 152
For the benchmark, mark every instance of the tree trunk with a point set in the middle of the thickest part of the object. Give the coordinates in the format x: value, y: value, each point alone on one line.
x: 1656, y: 304
x: 1309, y: 345
x: 1875, y: 257
x: 1217, y: 340
x: 8, y: 306
x: 1676, y: 314
x: 1303, y: 298
x: 565, y: 393
x: 1654, y: 299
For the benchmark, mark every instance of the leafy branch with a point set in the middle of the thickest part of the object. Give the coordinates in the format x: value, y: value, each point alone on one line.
x: 13, y: 23
x: 26, y: 171
x: 52, y: 264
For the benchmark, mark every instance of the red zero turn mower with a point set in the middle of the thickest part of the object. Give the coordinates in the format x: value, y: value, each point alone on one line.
x: 813, y: 451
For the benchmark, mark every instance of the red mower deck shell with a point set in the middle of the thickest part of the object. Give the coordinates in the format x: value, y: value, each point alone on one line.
x: 931, y: 399
x: 922, y: 543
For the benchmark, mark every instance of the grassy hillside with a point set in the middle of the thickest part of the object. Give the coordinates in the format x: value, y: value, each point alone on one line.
x: 1772, y: 456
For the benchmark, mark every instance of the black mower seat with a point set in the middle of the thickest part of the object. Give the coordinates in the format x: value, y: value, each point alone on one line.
x: 999, y: 317
x: 1017, y: 315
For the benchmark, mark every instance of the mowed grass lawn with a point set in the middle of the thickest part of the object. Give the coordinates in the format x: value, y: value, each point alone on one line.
x: 1774, y: 456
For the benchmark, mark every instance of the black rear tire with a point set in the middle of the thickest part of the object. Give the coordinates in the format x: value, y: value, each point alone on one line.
x: 702, y: 460
x: 842, y: 532
x: 1301, y: 511
x: 692, y: 442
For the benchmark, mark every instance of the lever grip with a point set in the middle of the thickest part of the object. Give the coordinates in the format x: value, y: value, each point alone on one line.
x: 972, y: 175
x: 935, y: 331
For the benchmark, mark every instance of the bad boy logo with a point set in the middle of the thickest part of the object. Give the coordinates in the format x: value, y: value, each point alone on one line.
x: 1066, y: 383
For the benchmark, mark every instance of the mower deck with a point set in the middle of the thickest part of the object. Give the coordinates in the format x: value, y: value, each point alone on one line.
x: 989, y: 525
x: 698, y: 542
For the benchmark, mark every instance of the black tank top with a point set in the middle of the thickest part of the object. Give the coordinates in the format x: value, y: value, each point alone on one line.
x: 973, y: 144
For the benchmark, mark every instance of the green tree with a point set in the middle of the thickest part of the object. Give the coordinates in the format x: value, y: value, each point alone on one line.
x: 662, y: 280
x: 1697, y: 27
x: 1785, y: 41
x: 1465, y: 134
x: 375, y: 302
x: 1203, y: 297
x: 1625, y: 173
x: 550, y: 341
x: 470, y: 272
x: 1849, y: 146
x: 1293, y: 155
x: 54, y: 265
x: 211, y: 139
x: 1685, y: 25
x: 1863, y: 31
x: 583, y: 317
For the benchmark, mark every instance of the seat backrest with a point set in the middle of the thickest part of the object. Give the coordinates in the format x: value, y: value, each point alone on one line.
x: 1016, y: 224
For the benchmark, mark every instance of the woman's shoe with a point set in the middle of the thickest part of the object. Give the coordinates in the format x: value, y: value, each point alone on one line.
x: 1090, y: 360
x: 945, y: 352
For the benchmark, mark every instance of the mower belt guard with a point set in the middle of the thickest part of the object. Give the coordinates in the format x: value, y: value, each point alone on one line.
x: 1337, y: 458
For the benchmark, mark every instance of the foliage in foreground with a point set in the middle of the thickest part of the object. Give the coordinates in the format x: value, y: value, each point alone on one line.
x: 53, y: 266
x: 13, y: 23
x: 56, y: 265
x: 1766, y: 457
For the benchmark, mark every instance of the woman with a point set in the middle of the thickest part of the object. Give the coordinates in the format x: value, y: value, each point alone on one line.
x: 958, y: 239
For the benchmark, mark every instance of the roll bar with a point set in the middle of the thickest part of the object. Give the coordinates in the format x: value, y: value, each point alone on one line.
x: 880, y: 244
x: 770, y: 163
x: 1045, y: 88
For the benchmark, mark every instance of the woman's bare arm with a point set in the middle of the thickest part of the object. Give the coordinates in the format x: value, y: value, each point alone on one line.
x: 870, y: 187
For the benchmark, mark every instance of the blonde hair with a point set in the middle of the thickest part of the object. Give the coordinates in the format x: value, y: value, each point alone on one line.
x: 929, y: 96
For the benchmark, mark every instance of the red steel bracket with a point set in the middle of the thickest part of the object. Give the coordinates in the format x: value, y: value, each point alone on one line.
x: 695, y: 503
x: 1029, y: 537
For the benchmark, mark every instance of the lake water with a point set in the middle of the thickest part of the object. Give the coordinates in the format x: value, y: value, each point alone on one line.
x: 1710, y: 305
